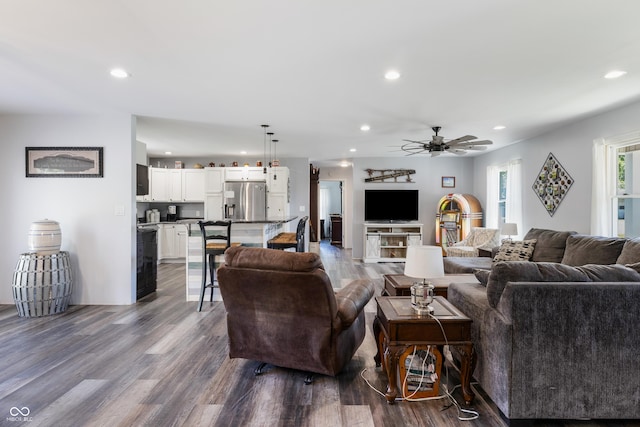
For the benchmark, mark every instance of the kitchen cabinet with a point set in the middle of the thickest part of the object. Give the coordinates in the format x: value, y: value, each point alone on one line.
x: 278, y: 180
x: 159, y: 185
x: 213, y: 206
x: 213, y: 180
x: 172, y: 241
x: 193, y: 182
x: 213, y: 198
x: 244, y: 173
x: 278, y: 192
x: 176, y: 185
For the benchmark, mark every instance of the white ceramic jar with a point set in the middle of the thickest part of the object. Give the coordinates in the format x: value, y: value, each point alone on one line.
x: 45, y: 237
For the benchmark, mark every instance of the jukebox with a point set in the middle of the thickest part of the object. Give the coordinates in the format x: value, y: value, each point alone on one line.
x: 457, y: 214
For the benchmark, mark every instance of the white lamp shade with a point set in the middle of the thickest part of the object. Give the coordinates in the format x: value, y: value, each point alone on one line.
x: 424, y: 262
x: 509, y: 229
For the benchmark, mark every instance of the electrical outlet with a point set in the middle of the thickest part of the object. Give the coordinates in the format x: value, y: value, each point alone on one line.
x: 303, y: 208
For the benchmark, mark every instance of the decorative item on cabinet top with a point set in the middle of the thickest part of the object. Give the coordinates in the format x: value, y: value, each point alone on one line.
x: 385, y: 174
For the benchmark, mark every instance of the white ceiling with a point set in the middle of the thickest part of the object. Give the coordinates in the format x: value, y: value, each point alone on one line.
x: 205, y: 74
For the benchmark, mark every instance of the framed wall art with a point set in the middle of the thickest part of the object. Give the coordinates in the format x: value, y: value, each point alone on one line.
x: 68, y: 162
x: 552, y: 184
x: 448, y: 182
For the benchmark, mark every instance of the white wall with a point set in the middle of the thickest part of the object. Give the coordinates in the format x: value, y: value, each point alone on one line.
x: 571, y: 145
x: 101, y: 244
x: 427, y: 179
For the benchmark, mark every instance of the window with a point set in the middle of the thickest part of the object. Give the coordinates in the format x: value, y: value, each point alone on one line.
x: 504, y: 195
x: 627, y: 198
x: 615, y: 187
x: 502, y: 198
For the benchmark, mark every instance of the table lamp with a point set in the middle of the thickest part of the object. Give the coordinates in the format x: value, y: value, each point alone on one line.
x: 423, y: 262
x: 509, y: 229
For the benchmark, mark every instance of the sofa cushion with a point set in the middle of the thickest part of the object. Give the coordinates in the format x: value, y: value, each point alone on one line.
x: 515, y: 250
x: 630, y: 252
x: 583, y: 249
x: 465, y: 265
x: 523, y: 271
x: 550, y: 244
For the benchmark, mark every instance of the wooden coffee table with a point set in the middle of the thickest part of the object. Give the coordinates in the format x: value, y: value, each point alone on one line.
x: 400, y: 285
x: 397, y: 327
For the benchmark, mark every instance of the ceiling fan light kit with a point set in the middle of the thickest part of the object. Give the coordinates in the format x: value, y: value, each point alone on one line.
x: 438, y: 145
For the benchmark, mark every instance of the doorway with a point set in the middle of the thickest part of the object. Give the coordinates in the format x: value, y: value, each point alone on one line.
x: 330, y: 210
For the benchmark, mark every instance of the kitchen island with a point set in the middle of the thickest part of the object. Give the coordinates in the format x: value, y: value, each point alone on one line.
x: 246, y: 232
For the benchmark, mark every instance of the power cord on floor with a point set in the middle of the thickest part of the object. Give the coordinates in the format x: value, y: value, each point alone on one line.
x: 463, y: 414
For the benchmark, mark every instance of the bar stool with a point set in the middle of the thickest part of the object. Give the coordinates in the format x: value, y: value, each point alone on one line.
x: 290, y: 240
x: 216, y: 238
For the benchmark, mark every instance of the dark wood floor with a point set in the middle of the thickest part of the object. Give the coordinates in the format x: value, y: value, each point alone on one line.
x: 161, y: 363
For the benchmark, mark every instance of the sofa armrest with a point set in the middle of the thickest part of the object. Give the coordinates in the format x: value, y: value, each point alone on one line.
x: 351, y: 300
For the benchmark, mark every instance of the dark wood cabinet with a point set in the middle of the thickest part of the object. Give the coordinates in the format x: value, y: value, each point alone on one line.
x: 147, y: 261
x: 336, y: 230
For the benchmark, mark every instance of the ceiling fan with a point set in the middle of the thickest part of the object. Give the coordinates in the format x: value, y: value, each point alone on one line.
x: 437, y: 144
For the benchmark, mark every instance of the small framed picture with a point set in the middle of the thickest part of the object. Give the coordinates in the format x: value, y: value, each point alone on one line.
x: 448, y: 182
x: 79, y: 162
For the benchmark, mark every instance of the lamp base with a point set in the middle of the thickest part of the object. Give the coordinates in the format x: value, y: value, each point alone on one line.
x: 423, y: 311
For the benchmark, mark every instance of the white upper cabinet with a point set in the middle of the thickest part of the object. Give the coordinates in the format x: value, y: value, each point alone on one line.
x: 214, y: 180
x: 245, y: 173
x: 193, y: 183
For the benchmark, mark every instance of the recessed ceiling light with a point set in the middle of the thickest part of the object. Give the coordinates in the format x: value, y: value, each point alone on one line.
x: 614, y: 74
x: 243, y: 152
x: 345, y: 164
x: 365, y: 128
x: 392, y: 75
x: 168, y: 153
x: 499, y: 127
x: 353, y: 150
x: 119, y: 73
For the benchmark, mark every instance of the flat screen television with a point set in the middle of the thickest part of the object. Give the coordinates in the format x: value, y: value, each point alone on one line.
x: 390, y: 205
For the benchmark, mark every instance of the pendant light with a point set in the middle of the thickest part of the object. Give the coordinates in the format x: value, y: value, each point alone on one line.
x: 275, y: 159
x: 270, y: 136
x: 264, y: 147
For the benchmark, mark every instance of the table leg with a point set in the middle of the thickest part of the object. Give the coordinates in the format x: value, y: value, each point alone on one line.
x: 377, y: 333
x: 467, y: 365
x: 391, y: 356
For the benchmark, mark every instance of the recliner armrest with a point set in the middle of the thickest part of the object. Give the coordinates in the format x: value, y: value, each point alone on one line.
x: 351, y: 300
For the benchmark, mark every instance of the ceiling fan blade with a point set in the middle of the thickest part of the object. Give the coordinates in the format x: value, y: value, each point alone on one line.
x: 416, y: 142
x: 472, y: 144
x: 462, y: 139
x: 458, y: 152
x: 477, y: 148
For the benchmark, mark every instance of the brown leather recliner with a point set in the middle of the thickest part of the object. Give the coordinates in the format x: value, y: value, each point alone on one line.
x: 282, y: 310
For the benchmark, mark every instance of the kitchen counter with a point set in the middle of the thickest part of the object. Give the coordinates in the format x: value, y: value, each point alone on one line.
x: 247, y: 233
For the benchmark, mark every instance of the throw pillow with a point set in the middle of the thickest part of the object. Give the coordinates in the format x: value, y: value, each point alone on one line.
x: 583, y: 249
x: 550, y: 244
x: 482, y: 275
x: 515, y: 251
x: 630, y: 252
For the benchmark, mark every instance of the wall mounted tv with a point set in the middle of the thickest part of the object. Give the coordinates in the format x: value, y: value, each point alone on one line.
x: 390, y: 205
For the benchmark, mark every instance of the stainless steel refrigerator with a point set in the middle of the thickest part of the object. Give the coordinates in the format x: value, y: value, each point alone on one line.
x: 245, y: 200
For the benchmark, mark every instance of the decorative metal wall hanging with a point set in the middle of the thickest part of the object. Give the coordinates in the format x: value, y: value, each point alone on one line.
x: 389, y: 174
x: 552, y: 184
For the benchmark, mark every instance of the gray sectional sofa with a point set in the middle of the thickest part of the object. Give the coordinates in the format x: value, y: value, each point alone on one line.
x: 558, y: 337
